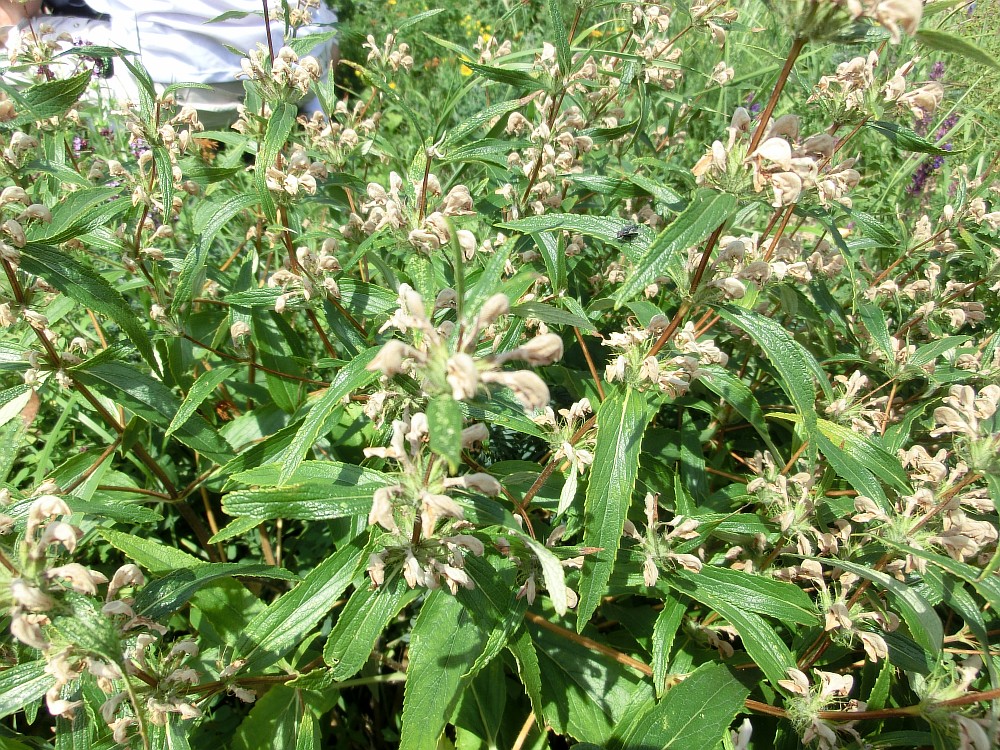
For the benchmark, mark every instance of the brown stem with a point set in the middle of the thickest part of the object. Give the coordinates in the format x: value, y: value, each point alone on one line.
x: 765, y: 116
x: 590, y: 363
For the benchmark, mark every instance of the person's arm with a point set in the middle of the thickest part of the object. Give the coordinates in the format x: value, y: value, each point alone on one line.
x: 13, y: 12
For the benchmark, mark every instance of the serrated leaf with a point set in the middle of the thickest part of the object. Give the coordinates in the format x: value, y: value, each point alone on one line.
x: 585, y: 694
x: 552, y: 315
x: 166, y: 595
x: 762, y: 643
x: 200, y: 390
x: 604, y: 228
x: 85, y: 286
x: 318, y: 490
x: 788, y: 358
x: 444, y: 644
x: 668, y: 622
x: 157, y: 558
x: 519, y: 79
x: 559, y: 33
x: 479, y: 119
x: 23, y: 684
x: 361, y: 622
x: 350, y: 377
x: 874, y: 320
x: 552, y: 574
x: 152, y: 400
x: 905, y: 138
x: 621, y: 421
x: 703, y: 215
x: 279, y: 127
x: 921, y: 619
x: 863, y: 450
x: 444, y: 425
x: 735, y: 393
x: 193, y: 268
x: 782, y: 601
x: 946, y: 42
x: 986, y: 586
x: 279, y: 628
x: 694, y: 714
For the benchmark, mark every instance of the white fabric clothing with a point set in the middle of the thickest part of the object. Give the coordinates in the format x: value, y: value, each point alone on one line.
x: 177, y: 45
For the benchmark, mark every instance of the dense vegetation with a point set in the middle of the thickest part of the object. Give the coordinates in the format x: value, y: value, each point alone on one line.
x: 612, y: 375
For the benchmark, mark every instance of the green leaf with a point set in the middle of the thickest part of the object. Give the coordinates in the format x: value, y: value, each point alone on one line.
x: 193, y: 268
x: 517, y: 78
x: 444, y: 423
x: 668, y: 622
x: 552, y: 573
x: 279, y: 127
x: 762, y: 644
x: 361, y: 622
x: 151, y: 400
x: 605, y: 228
x: 444, y: 644
x: 351, y: 377
x: 157, y: 558
x: 279, y: 628
x: 905, y: 138
x: 23, y: 684
x: 318, y: 490
x: 621, y: 421
x: 783, y: 601
x: 874, y: 320
x: 942, y: 40
x: 585, y: 694
x: 200, y: 390
x: 552, y: 315
x: 166, y: 595
x: 920, y: 617
x: 735, y: 393
x: 704, y: 214
x: 559, y: 33
x: 986, y: 586
x: 85, y: 286
x: 787, y: 356
x: 164, y: 173
x: 478, y: 119
x: 80, y: 212
x: 522, y: 648
x: 50, y: 98
x: 864, y: 451
x: 694, y: 714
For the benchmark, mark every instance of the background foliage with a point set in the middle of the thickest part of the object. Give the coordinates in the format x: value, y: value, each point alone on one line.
x: 633, y: 385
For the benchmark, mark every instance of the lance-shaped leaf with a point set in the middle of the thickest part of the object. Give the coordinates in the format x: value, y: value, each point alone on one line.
x: 319, y: 490
x: 23, y: 684
x: 621, y: 421
x: 703, y: 215
x: 84, y: 285
x: 361, y: 622
x: 165, y: 595
x: 788, y: 357
x: 279, y: 127
x: 919, y: 616
x: 151, y: 400
x: 193, y: 268
x: 444, y: 645
x: 695, y: 713
x: 279, y: 628
x: 350, y: 378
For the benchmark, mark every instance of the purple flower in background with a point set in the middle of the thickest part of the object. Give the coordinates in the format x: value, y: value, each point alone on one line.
x: 937, y: 72
x: 80, y: 144
x: 753, y: 107
x: 139, y: 147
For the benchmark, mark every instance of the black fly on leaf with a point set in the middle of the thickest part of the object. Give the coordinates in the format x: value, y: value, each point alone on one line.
x: 627, y: 233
